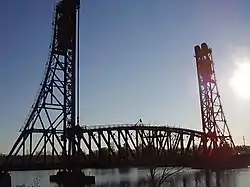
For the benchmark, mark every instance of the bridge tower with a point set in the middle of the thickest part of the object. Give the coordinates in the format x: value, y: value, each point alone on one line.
x: 216, y: 132
x: 48, y: 132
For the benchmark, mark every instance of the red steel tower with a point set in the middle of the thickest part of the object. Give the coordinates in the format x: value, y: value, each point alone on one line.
x: 216, y: 132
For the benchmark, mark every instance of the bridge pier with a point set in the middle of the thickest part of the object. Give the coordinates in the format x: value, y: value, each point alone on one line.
x: 72, y: 179
x: 5, y: 180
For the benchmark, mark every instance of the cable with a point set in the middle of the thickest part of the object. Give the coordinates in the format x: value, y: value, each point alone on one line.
x: 78, y: 67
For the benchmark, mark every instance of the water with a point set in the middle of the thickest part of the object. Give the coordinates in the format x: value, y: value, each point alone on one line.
x: 130, y: 177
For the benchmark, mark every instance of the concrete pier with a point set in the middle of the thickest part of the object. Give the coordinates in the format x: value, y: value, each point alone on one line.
x: 72, y: 179
x: 5, y: 180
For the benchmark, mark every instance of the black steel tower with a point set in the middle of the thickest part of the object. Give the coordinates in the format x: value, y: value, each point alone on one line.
x: 49, y: 128
x: 214, y: 124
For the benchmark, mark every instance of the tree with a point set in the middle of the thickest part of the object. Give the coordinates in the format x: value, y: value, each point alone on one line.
x: 158, y: 176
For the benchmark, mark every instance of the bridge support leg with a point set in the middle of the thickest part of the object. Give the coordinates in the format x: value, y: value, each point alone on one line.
x: 72, y: 179
x: 5, y: 180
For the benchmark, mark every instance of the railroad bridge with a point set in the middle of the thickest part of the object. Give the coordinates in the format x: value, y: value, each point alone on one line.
x: 52, y: 137
x: 129, y: 145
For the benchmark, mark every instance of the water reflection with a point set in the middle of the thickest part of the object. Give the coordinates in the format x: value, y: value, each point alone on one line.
x: 137, y: 178
x: 186, y: 179
x: 196, y: 179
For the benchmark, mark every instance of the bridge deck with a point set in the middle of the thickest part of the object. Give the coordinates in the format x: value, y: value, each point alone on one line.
x: 241, y: 161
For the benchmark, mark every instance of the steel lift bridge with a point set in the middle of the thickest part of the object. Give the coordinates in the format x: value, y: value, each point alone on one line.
x: 217, y: 138
x: 52, y: 137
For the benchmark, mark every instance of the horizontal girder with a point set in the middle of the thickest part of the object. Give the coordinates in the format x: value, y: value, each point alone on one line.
x: 120, y: 145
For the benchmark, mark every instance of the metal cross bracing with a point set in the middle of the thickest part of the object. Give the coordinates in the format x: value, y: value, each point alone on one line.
x: 125, y: 145
x: 215, y: 128
x: 55, y: 106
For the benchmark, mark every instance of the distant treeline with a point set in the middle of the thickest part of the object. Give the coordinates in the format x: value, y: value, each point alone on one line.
x: 243, y: 148
x: 239, y: 148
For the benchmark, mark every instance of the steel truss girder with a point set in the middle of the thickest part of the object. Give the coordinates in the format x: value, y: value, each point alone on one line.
x: 130, y: 145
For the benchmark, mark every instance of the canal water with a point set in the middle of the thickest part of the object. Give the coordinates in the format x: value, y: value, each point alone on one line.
x: 134, y: 178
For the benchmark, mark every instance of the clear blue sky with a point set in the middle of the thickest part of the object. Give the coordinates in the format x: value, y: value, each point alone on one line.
x: 136, y: 60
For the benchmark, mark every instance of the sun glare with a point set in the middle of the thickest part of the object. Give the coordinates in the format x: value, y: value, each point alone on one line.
x: 240, y: 81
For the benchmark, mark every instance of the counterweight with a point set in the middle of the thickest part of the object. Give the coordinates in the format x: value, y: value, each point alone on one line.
x: 214, y: 124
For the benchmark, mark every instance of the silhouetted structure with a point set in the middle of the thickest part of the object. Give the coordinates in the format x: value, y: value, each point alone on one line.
x: 217, y: 138
x: 52, y: 120
x: 53, y: 123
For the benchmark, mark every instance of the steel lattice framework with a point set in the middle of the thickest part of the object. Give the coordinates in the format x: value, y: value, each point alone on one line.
x: 54, y: 109
x: 123, y: 145
x: 53, y: 139
x: 213, y: 119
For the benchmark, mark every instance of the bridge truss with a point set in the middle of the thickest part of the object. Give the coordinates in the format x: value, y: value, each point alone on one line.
x: 124, y: 145
x: 53, y: 139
